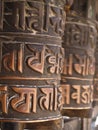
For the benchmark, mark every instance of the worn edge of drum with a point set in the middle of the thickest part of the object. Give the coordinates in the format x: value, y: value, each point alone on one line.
x: 32, y: 121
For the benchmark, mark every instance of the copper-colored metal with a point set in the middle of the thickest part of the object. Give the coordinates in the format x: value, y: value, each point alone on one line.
x: 96, y: 63
x: 12, y: 126
x: 79, y: 64
x: 50, y: 125
x: 96, y: 77
x: 30, y: 59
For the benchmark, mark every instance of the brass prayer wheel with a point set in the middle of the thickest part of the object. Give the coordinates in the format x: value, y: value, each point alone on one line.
x: 30, y: 59
x: 79, y: 63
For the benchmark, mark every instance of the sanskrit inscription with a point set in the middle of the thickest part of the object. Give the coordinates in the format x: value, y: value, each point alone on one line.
x: 96, y: 74
x: 48, y: 98
x: 32, y: 17
x: 80, y: 94
x: 22, y: 59
x: 26, y: 100
x: 80, y: 64
x: 79, y: 35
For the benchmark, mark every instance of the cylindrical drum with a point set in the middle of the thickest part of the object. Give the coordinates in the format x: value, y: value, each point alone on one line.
x: 96, y: 64
x: 96, y: 76
x: 79, y: 65
x: 30, y: 59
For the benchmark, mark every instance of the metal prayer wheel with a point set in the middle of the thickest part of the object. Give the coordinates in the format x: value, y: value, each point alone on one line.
x: 79, y: 63
x: 96, y: 64
x: 30, y: 60
x: 96, y: 76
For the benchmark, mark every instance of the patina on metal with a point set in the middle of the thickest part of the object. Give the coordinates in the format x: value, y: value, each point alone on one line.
x: 12, y: 126
x: 30, y: 59
x: 50, y: 125
x: 96, y: 63
x: 96, y: 77
x: 79, y: 64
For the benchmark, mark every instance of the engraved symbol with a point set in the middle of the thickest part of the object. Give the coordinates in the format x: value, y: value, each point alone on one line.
x: 9, y: 61
x: 25, y: 101
x: 52, y: 60
x: 68, y: 65
x: 34, y: 16
x: 3, y: 98
x: 36, y: 62
x: 18, y: 14
x: 13, y: 59
x: 76, y: 95
x: 65, y: 93
x: 80, y: 94
x: 49, y: 100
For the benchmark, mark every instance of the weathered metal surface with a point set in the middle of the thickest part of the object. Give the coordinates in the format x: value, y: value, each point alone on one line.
x: 50, y: 125
x: 95, y: 102
x: 12, y: 126
x: 96, y: 76
x: 30, y: 59
x: 96, y: 71
x: 79, y: 65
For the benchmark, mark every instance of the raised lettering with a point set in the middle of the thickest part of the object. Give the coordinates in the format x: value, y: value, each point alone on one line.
x: 68, y: 65
x: 4, y: 98
x: 25, y: 101
x: 65, y: 94
x: 18, y: 14
x: 76, y: 95
x: 49, y: 100
x: 36, y: 62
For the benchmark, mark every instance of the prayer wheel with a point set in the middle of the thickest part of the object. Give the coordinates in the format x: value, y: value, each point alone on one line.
x: 30, y: 60
x: 96, y: 77
x: 79, y: 63
x: 96, y: 64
